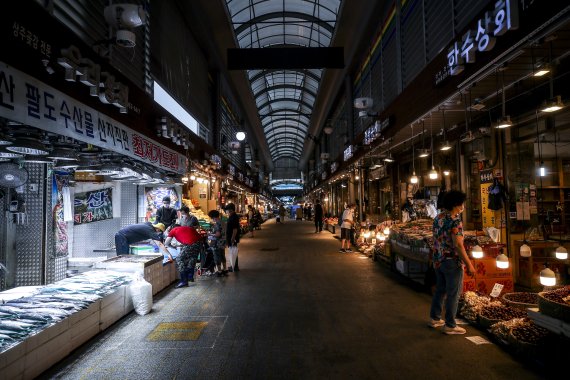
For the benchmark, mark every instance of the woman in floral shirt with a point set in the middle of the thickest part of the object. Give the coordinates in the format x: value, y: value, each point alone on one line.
x: 449, y: 257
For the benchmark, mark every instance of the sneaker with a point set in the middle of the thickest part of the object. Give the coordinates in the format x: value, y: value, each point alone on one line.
x: 435, y: 323
x: 348, y: 250
x: 453, y: 330
x: 342, y: 250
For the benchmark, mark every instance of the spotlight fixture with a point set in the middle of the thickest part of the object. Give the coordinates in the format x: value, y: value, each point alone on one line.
x: 240, y: 136
x: 552, y: 105
x: 504, y: 122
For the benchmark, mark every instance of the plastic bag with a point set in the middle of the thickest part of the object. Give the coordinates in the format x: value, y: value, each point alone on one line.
x: 141, y: 294
x: 233, y: 253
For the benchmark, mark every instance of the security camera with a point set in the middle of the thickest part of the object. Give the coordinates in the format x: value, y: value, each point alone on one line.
x: 126, y: 38
x: 124, y: 15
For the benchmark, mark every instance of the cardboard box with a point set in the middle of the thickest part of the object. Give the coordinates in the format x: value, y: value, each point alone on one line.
x: 14, y: 370
x: 46, y: 335
x: 487, y: 268
x: 43, y: 357
x: 485, y: 285
x: 11, y: 355
x: 94, y: 308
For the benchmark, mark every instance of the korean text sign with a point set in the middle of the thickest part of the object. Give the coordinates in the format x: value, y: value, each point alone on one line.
x: 93, y: 206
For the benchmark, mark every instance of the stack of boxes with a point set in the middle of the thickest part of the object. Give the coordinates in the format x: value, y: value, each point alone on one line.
x: 487, y: 274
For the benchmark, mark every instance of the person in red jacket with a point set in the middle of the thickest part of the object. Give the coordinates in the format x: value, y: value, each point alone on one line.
x: 191, y: 243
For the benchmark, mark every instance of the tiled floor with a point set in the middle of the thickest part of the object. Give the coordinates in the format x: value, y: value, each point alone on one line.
x: 298, y: 309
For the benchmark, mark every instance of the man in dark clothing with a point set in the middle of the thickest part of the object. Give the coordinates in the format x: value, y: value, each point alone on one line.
x: 135, y: 233
x: 232, y: 230
x: 165, y: 214
x: 318, y: 216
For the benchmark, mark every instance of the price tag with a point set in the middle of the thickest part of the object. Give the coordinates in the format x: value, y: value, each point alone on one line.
x: 496, y: 290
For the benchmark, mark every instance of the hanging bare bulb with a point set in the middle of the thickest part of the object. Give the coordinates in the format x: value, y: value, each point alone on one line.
x: 525, y: 250
x: 502, y: 261
x: 433, y: 173
x: 547, y: 277
x: 561, y: 253
x: 477, y: 252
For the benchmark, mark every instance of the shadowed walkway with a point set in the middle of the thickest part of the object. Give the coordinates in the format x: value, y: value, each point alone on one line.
x: 298, y: 309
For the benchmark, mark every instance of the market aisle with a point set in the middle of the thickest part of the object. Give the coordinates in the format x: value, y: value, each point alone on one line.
x: 298, y: 309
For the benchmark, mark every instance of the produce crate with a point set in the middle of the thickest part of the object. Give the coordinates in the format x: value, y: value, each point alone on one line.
x: 553, y: 309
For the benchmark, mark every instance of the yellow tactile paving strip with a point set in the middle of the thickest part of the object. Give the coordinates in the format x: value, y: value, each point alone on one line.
x: 177, y: 331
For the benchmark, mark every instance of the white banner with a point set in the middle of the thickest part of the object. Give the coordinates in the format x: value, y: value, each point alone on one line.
x: 26, y: 100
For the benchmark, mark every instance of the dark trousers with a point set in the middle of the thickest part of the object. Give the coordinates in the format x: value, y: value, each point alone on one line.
x: 318, y: 224
x: 121, y: 244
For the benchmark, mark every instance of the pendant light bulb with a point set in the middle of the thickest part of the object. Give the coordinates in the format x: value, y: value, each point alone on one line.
x: 386, y: 231
x: 502, y: 261
x: 561, y: 253
x: 446, y: 172
x: 547, y: 277
x: 433, y: 173
x: 414, y: 178
x: 525, y: 250
x: 477, y: 252
x: 542, y: 170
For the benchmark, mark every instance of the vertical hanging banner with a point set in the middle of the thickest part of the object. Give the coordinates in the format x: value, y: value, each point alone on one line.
x: 60, y: 183
x: 487, y: 215
x: 93, y: 206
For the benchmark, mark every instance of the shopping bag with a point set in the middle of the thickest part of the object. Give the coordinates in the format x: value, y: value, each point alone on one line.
x: 233, y: 251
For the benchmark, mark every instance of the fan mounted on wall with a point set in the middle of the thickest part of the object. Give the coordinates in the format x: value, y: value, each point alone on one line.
x: 12, y: 175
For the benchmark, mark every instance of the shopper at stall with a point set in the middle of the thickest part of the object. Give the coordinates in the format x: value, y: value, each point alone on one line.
x: 135, y: 233
x: 346, y: 228
x: 165, y: 214
x: 449, y: 258
x: 232, y: 231
x: 282, y: 212
x: 191, y: 242
x: 186, y: 218
x: 318, y: 216
x: 217, y: 243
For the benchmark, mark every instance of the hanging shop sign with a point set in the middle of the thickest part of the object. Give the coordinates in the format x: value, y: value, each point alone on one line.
x: 487, y: 215
x: 29, y: 101
x: 348, y: 152
x: 93, y: 206
x: 334, y: 167
x: 375, y: 131
x: 216, y: 160
x: 504, y: 17
x: 231, y: 170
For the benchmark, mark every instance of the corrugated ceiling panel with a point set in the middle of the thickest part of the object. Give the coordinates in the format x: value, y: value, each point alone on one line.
x: 413, y: 47
x: 466, y: 11
x: 389, y: 66
x: 439, y: 26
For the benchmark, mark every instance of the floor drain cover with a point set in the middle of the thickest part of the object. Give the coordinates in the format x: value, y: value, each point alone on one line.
x: 177, y: 331
x: 269, y: 249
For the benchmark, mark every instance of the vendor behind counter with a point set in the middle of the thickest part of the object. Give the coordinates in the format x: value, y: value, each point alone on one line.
x: 135, y: 233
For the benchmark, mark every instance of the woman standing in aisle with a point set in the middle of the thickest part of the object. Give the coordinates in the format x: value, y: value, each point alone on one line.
x: 449, y: 258
x: 217, y: 243
x: 250, y: 220
x: 346, y: 228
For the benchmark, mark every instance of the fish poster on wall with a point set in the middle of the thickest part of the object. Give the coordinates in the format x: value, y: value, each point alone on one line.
x: 60, y: 185
x: 153, y: 200
x: 93, y: 206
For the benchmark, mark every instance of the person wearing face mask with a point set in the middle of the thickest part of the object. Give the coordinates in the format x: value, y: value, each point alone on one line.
x: 165, y: 214
x: 187, y: 219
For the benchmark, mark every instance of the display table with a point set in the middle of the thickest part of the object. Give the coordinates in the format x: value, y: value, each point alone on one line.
x: 104, y: 298
x: 330, y: 227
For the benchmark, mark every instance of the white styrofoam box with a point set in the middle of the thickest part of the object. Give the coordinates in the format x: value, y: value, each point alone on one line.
x: 44, y: 336
x: 85, y: 313
x: 111, y: 298
x: 14, y: 370
x: 12, y: 354
x: 112, y: 313
x: 47, y: 355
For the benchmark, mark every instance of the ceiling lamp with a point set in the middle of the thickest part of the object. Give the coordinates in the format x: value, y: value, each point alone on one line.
x: 37, y: 160
x: 423, y: 153
x: 87, y: 164
x: 552, y: 105
x: 445, y: 146
x: 446, y: 172
x: 65, y: 165
x: 525, y: 250
x: 389, y: 158
x: 547, y: 277
x: 477, y: 252
x: 240, y: 136
x: 110, y: 169
x: 9, y: 154
x: 542, y: 170
x: 63, y: 154
x: 541, y: 69
x: 4, y: 140
x: 502, y: 261
x: 433, y: 173
x: 504, y: 122
x: 27, y: 145
x: 561, y: 253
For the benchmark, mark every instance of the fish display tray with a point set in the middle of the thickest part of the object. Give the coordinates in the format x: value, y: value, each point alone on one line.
x: 129, y: 262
